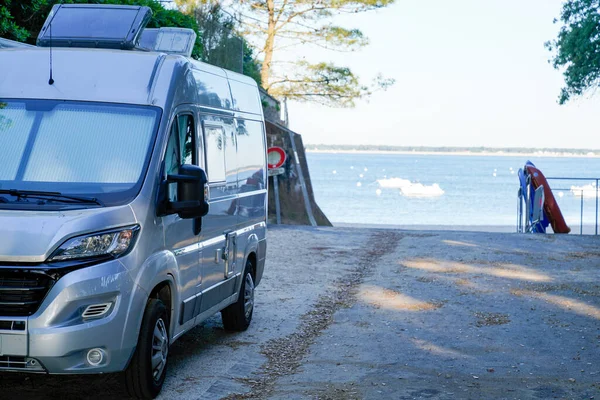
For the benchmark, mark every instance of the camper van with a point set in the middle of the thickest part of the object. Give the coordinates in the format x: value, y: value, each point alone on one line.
x: 133, y: 190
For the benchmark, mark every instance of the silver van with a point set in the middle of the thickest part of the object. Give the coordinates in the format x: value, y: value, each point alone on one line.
x: 133, y: 196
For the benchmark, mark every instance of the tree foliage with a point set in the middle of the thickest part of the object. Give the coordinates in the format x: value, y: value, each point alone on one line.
x: 577, y: 48
x: 221, y: 44
x: 251, y: 67
x: 275, y: 25
x: 323, y: 83
x: 21, y: 20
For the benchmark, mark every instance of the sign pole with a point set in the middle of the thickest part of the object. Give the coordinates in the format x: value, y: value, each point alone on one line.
x: 277, y: 205
x: 275, y: 159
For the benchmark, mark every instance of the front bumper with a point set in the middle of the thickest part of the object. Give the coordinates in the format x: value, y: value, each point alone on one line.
x: 56, y: 339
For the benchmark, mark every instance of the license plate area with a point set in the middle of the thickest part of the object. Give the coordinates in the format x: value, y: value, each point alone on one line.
x: 13, y: 338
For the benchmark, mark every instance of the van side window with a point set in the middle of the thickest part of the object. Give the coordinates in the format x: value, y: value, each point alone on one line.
x: 250, y: 155
x: 187, y: 135
x: 215, y: 142
x: 245, y: 97
x: 172, y: 159
x: 181, y: 143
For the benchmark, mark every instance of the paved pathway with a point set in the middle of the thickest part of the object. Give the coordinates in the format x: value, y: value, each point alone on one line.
x: 348, y: 313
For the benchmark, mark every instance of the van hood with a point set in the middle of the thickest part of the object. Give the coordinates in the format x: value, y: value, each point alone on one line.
x: 32, y: 236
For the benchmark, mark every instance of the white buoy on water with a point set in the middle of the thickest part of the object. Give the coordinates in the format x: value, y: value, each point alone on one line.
x: 334, y: 172
x: 366, y: 169
x: 358, y: 184
x: 494, y: 174
x: 560, y: 194
x: 378, y: 192
x: 361, y: 176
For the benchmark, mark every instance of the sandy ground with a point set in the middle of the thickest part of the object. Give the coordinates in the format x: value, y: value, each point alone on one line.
x: 347, y: 313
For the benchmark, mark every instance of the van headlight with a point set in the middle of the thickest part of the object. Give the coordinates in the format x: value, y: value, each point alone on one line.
x: 109, y: 243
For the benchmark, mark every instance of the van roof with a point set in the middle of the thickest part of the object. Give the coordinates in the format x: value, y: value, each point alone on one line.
x: 117, y: 76
x: 6, y: 43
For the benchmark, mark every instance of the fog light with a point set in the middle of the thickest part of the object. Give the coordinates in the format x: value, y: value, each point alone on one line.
x: 95, y: 357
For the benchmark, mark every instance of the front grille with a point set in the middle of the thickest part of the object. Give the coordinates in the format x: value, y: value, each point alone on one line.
x: 21, y: 292
x: 13, y: 363
x: 12, y: 325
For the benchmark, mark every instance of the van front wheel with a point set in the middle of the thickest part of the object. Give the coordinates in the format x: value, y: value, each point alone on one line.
x: 146, y: 373
x: 237, y: 317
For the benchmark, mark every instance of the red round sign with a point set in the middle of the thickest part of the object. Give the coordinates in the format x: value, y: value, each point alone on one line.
x: 275, y: 157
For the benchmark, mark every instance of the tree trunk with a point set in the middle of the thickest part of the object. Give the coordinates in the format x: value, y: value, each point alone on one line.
x: 265, y: 71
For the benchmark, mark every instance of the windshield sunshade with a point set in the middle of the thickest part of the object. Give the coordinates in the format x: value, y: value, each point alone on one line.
x: 74, y: 147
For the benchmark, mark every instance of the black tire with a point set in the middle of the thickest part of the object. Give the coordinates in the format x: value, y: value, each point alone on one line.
x: 140, y: 378
x: 236, y: 317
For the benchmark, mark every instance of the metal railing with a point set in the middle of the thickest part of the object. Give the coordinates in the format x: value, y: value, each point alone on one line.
x: 582, y: 192
x: 525, y: 220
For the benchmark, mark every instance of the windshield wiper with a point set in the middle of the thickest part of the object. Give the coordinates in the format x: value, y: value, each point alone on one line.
x: 51, y: 196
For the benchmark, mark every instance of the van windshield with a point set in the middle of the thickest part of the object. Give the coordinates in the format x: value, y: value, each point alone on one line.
x: 76, y: 148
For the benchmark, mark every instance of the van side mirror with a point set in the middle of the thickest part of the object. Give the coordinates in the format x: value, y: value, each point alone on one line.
x: 191, y: 181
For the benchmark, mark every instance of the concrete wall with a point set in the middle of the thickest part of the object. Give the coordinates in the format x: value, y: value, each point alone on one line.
x: 293, y: 207
x: 291, y: 197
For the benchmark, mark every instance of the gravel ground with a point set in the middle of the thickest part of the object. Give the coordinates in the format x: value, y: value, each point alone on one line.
x: 346, y: 313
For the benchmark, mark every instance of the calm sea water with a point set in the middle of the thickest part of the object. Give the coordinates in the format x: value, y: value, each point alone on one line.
x: 473, y: 195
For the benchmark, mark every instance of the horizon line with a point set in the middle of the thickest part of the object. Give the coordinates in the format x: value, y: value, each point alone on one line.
x: 447, y: 148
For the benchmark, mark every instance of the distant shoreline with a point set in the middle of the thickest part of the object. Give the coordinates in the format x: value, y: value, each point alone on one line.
x: 590, y: 154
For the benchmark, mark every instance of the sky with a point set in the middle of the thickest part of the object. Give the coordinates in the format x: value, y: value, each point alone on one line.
x: 468, y: 73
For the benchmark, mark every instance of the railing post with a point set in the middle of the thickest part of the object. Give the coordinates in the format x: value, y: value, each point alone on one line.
x: 581, y: 218
x: 596, y: 207
x: 519, y: 211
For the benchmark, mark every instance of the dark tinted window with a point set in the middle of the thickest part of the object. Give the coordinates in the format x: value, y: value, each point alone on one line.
x: 172, y: 159
x: 181, y: 148
x: 187, y: 134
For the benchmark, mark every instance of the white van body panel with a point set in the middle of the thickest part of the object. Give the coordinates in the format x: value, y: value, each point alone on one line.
x: 166, y: 251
